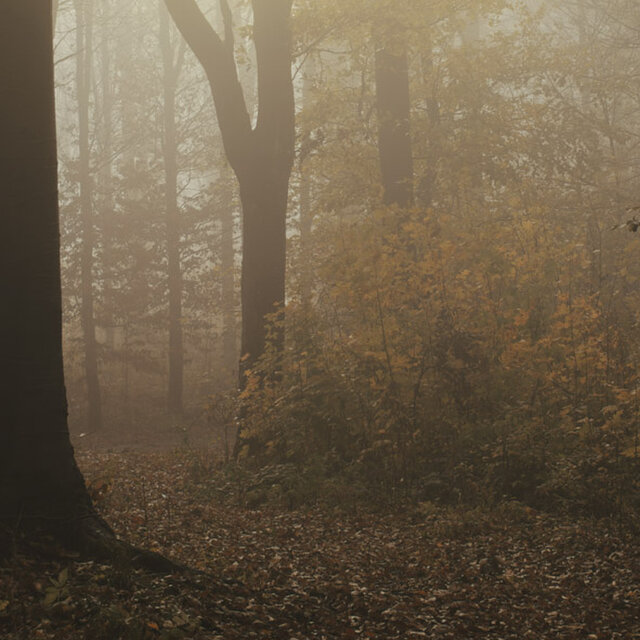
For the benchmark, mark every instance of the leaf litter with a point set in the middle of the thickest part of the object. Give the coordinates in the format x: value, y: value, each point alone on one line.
x: 269, y: 572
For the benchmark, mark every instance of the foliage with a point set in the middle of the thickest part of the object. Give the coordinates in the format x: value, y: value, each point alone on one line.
x: 460, y: 364
x: 481, y: 345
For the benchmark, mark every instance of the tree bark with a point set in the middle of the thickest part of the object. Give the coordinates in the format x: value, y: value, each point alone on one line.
x: 170, y: 153
x: 39, y: 478
x: 41, y: 487
x: 84, y: 44
x: 261, y: 157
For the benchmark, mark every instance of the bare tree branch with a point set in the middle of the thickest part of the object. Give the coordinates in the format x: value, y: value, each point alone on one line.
x: 219, y: 64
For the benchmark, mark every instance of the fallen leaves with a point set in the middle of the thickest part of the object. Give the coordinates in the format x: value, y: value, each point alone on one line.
x: 315, y: 573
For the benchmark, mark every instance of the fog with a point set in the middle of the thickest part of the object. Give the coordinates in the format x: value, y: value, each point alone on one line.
x: 336, y: 307
x: 409, y: 224
x: 518, y: 121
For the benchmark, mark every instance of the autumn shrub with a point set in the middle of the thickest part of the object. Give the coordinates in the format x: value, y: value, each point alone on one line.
x: 448, y: 363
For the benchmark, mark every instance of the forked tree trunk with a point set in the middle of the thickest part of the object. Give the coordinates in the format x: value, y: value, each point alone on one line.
x: 38, y: 474
x: 262, y: 157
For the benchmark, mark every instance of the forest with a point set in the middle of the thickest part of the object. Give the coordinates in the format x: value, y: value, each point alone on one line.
x: 320, y: 319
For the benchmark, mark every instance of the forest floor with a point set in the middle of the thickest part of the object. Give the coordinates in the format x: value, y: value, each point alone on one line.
x: 320, y: 572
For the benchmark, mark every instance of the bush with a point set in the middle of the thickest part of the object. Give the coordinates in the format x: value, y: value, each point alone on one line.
x: 470, y: 367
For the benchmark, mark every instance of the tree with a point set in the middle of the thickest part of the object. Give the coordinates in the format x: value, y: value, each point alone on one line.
x: 39, y: 478
x: 171, y: 64
x: 40, y: 483
x: 261, y: 156
x: 393, y: 107
x: 84, y: 59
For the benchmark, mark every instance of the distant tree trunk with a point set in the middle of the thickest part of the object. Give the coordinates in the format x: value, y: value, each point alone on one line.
x: 104, y: 120
x: 228, y: 281
x: 171, y: 70
x: 84, y: 44
x: 39, y: 478
x: 474, y: 152
x: 426, y: 186
x: 393, y: 109
x: 306, y: 211
x: 262, y: 157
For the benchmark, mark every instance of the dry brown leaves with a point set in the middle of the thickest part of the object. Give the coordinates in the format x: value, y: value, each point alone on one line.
x: 315, y: 573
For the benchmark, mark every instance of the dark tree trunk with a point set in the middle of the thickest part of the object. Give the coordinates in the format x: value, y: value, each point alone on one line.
x: 264, y: 205
x: 41, y: 487
x: 170, y: 152
x: 84, y: 44
x: 393, y: 108
x: 261, y: 157
x: 38, y: 474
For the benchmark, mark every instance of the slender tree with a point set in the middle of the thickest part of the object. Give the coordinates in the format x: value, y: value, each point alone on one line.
x: 171, y: 64
x: 305, y: 194
x: 393, y: 105
x: 261, y: 156
x: 227, y: 277
x: 105, y: 123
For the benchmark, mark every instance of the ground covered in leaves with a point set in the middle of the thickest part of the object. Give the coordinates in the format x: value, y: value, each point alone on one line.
x: 316, y: 572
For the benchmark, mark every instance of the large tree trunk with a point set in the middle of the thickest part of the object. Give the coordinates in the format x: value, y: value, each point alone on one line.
x: 41, y: 487
x: 262, y: 158
x: 38, y: 475
x: 264, y: 206
x: 84, y: 43
x: 170, y: 152
x: 393, y: 106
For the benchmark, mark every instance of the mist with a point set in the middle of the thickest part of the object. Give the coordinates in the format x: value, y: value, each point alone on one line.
x: 345, y: 329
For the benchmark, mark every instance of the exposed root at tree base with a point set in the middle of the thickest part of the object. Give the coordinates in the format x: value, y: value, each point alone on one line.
x: 89, y: 538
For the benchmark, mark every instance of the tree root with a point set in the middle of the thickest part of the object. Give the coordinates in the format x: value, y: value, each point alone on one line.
x: 89, y: 537
x: 98, y: 541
